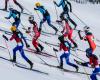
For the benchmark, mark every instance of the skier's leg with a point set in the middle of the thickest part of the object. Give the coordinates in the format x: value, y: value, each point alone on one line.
x: 41, y: 22
x: 35, y: 44
x: 69, y: 63
x: 14, y: 53
x: 61, y: 60
x: 18, y: 5
x: 23, y: 55
x: 72, y: 22
x: 93, y: 75
x: 70, y: 38
x: 49, y: 23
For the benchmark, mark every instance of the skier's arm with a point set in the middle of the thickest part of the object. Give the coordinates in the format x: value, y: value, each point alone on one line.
x: 69, y: 6
x: 58, y: 5
x: 10, y: 15
x: 24, y: 39
x: 80, y: 35
x: 12, y: 37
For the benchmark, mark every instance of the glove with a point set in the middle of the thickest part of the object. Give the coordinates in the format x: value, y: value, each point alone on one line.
x: 79, y: 31
x: 35, y: 9
x: 5, y: 37
x: 62, y: 32
x: 54, y: 2
x: 27, y: 45
x: 6, y: 18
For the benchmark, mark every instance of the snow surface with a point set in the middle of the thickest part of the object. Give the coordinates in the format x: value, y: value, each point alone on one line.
x: 87, y: 12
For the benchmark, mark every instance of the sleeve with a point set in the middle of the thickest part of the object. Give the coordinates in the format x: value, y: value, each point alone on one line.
x: 60, y: 47
x: 90, y: 61
x: 12, y: 37
x: 10, y: 15
x: 60, y: 3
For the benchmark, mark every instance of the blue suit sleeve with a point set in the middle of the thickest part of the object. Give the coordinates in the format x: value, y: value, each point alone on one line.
x: 60, y: 3
x: 10, y: 15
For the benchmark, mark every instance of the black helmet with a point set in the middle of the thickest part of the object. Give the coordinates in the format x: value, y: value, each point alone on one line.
x: 31, y: 19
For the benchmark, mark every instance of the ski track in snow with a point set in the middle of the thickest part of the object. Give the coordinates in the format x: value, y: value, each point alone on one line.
x: 89, y: 13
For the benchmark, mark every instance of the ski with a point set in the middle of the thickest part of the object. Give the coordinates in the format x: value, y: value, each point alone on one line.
x: 11, y: 61
x: 21, y: 12
x: 66, y: 70
x: 40, y: 53
x: 22, y: 66
x: 38, y: 71
x: 34, y: 51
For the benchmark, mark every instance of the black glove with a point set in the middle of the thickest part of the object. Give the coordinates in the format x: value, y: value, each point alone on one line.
x: 5, y: 37
x: 6, y: 18
x: 27, y: 45
x: 55, y: 49
x: 54, y: 2
x: 35, y: 9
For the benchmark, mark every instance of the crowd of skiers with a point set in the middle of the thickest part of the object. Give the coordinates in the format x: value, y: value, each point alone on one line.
x: 67, y: 32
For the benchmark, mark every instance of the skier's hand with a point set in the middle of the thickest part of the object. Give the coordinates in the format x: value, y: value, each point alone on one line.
x: 35, y: 9
x: 54, y: 2
x: 6, y: 18
x: 5, y: 37
x: 27, y: 45
x: 79, y: 31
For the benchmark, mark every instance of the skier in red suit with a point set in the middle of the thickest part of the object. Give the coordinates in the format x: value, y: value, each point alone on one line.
x: 36, y: 36
x: 67, y: 32
x: 90, y: 38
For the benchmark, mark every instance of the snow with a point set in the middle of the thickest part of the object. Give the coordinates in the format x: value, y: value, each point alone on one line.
x: 87, y: 12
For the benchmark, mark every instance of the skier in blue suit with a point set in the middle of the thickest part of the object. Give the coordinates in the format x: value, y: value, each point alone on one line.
x: 46, y: 16
x: 65, y: 13
x: 16, y: 15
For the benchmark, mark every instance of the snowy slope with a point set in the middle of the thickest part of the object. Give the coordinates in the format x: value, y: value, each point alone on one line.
x: 88, y: 13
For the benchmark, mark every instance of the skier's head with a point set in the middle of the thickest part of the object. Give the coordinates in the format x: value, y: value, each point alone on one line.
x: 13, y: 28
x: 86, y: 29
x: 31, y: 19
x: 37, y: 4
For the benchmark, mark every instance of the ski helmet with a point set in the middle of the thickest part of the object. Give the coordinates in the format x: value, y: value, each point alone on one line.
x: 37, y: 4
x: 31, y: 19
x: 13, y: 28
x: 86, y: 28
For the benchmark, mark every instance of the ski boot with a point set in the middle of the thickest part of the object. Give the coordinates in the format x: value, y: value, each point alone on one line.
x: 61, y: 66
x: 41, y: 47
x: 77, y: 68
x: 14, y: 59
x: 31, y: 64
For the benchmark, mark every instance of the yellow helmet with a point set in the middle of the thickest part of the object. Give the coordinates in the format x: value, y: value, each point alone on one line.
x: 37, y: 4
x: 13, y: 28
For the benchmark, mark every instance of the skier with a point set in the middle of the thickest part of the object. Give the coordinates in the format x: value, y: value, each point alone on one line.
x: 6, y: 3
x: 90, y: 38
x: 16, y: 15
x: 93, y: 62
x: 67, y: 32
x: 36, y: 36
x: 46, y: 16
x: 17, y: 36
x: 65, y: 45
x: 65, y: 13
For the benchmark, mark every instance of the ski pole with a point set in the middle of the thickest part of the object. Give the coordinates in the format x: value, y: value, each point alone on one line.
x: 5, y: 38
x: 56, y: 10
x: 40, y: 18
x: 79, y: 19
x: 55, y: 50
